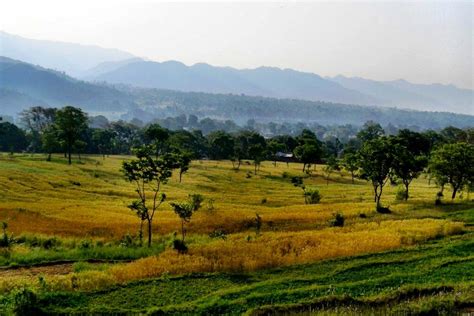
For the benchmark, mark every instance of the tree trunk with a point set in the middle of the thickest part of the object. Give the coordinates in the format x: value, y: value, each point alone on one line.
x: 352, y: 176
x: 255, y: 172
x: 49, y: 157
x: 182, y: 231
x: 406, y: 190
x: 453, y: 196
x: 149, y: 233
x: 180, y: 176
x: 69, y: 154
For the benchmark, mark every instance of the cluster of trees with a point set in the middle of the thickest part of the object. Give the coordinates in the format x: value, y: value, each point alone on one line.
x: 371, y: 155
x: 154, y: 103
x: 448, y: 157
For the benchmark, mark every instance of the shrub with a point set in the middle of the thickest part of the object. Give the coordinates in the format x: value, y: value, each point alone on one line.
x: 337, y: 221
x: 50, y: 243
x: 400, y: 194
x: 383, y: 210
x: 264, y: 200
x: 85, y: 244
x: 439, y: 196
x: 127, y: 241
x: 5, y: 241
x: 180, y: 246
x: 218, y: 233
x: 24, y: 302
x: 210, y: 205
x: 311, y: 196
x: 297, y: 181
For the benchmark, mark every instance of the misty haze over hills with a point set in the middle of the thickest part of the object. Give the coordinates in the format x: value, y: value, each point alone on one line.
x: 23, y: 84
x: 74, y: 59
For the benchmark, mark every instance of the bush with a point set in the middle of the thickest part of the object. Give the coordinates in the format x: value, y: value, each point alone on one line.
x: 383, y: 210
x: 297, y: 181
x: 400, y: 194
x: 5, y: 241
x: 127, y: 241
x: 85, y: 244
x: 180, y: 246
x: 50, y: 243
x: 311, y: 196
x: 439, y: 196
x: 24, y: 302
x: 337, y: 221
x: 264, y: 201
x: 218, y: 233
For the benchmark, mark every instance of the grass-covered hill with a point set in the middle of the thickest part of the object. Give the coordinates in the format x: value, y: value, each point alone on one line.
x: 74, y: 246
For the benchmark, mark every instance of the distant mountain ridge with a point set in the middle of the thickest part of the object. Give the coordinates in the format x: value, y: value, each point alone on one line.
x: 288, y: 83
x: 23, y: 85
x: 74, y: 59
x: 404, y: 94
x: 114, y: 66
x: 263, y: 81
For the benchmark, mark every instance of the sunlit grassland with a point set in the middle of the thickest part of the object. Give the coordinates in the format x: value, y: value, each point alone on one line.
x: 91, y: 198
x: 431, y: 279
x: 79, y: 213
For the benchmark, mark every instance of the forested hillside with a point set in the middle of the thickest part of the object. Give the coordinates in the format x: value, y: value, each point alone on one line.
x: 24, y: 85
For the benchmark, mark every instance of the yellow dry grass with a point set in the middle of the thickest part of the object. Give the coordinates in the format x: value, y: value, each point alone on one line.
x: 90, y: 200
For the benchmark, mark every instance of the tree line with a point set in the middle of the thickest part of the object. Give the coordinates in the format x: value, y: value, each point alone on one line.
x: 447, y: 156
x: 370, y: 155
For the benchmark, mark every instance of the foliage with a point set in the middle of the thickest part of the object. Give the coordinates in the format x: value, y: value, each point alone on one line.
x: 311, y: 196
x: 148, y: 174
x: 453, y: 164
x: 375, y: 163
x: 338, y: 220
x: 70, y: 122
x: 185, y: 211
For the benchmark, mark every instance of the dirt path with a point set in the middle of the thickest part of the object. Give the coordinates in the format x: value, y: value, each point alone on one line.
x: 60, y: 268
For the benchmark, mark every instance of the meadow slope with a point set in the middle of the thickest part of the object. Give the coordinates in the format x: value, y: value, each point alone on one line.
x: 74, y: 238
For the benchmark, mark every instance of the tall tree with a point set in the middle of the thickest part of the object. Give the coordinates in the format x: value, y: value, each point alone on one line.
x: 12, y: 138
x: 453, y: 164
x: 370, y: 130
x: 375, y: 164
x: 36, y: 120
x: 410, y: 150
x: 104, y: 140
x: 70, y: 123
x: 148, y: 174
x: 350, y: 163
x: 157, y: 136
x: 221, y: 145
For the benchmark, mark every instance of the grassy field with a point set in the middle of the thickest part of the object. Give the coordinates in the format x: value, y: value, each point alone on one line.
x: 71, y: 225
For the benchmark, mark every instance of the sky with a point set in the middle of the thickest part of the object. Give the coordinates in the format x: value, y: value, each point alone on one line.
x: 420, y: 41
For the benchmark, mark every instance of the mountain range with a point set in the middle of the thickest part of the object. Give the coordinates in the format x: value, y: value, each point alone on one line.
x: 23, y: 85
x: 74, y: 59
x: 44, y: 73
x: 285, y: 83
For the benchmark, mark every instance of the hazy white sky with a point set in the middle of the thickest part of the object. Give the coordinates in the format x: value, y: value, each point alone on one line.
x: 419, y: 41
